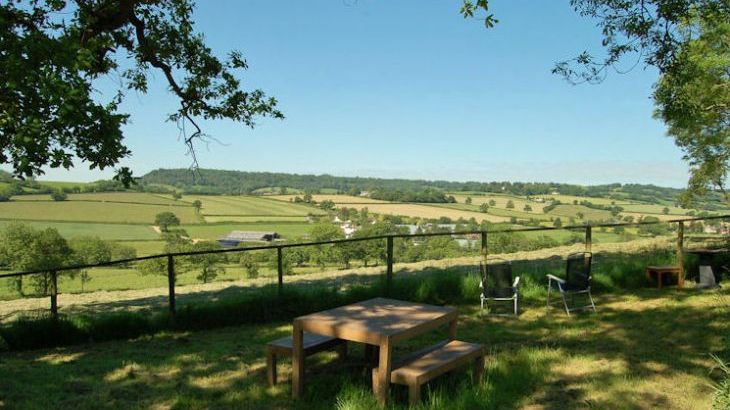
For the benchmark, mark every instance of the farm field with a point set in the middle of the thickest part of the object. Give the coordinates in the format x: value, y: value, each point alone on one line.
x: 653, y: 209
x: 114, y: 232
x: 501, y: 201
x: 337, y: 199
x: 249, y: 208
x: 80, y: 211
x: 567, y: 211
x: 114, y: 197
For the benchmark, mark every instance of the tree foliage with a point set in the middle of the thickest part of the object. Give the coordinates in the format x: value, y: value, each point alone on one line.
x: 49, y: 114
x: 693, y: 98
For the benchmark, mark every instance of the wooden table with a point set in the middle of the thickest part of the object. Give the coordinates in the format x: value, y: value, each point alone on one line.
x: 381, y: 322
x: 661, y: 270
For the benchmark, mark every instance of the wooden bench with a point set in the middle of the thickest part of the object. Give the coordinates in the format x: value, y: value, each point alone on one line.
x: 424, y: 365
x: 659, y: 271
x: 312, y: 344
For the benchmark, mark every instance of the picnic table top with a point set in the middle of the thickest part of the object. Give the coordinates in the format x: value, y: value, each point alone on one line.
x: 376, y: 318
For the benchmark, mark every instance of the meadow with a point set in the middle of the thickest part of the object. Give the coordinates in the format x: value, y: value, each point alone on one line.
x: 543, y: 359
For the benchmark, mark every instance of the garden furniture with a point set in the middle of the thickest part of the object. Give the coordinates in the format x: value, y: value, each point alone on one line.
x: 660, y: 271
x: 577, y: 281
x: 497, y: 284
x: 383, y: 323
x: 311, y: 344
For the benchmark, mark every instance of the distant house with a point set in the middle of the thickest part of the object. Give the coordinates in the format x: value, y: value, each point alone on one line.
x: 348, y: 229
x: 236, y: 237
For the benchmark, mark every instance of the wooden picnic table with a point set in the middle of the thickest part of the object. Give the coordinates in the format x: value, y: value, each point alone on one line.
x: 380, y: 322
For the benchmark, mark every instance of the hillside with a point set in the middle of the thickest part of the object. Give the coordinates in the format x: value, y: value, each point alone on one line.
x: 209, y: 181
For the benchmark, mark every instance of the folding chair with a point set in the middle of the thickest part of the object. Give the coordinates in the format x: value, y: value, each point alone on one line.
x: 497, y: 284
x: 577, y: 281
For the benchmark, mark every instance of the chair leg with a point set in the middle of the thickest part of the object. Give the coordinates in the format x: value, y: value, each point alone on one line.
x: 548, y: 296
x: 591, y: 298
x: 271, y: 368
x: 565, y: 303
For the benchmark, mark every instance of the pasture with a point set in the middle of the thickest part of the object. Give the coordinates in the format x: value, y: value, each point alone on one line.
x: 83, y: 211
x: 112, y: 232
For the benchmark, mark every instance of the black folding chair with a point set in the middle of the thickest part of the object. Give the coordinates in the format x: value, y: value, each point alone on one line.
x: 577, y: 281
x: 497, y: 284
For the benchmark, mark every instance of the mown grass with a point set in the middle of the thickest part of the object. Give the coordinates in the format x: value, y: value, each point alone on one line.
x: 644, y: 349
x: 249, y: 206
x: 82, y: 211
x: 118, y: 232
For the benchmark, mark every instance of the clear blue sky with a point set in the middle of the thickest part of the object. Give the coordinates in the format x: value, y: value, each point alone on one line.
x: 411, y: 89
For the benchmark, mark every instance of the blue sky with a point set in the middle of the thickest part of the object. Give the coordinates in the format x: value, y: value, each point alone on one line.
x: 411, y: 89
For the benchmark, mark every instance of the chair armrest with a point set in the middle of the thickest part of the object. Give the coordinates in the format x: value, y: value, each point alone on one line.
x: 517, y: 282
x: 555, y: 278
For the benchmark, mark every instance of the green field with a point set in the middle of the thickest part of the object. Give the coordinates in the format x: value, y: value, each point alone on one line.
x: 118, y: 232
x: 249, y: 208
x: 91, y: 211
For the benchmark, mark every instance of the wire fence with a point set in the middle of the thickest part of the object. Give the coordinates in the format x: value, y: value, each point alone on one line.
x: 167, y: 280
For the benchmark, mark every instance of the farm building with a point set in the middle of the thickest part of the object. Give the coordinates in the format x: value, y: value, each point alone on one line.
x: 236, y: 237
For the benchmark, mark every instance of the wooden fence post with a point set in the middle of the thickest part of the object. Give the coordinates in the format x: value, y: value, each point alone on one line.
x: 484, y: 246
x: 54, y: 294
x: 171, y: 283
x: 389, y: 271
x: 589, y: 239
x: 280, y: 268
x: 680, y: 253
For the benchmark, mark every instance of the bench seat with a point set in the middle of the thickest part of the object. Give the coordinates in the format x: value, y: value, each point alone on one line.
x: 312, y: 343
x: 423, y: 366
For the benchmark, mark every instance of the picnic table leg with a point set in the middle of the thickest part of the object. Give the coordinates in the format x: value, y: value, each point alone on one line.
x: 297, y: 381
x: 382, y: 384
x: 452, y: 330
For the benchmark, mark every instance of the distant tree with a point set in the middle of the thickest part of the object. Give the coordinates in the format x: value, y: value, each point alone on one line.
x: 354, y: 192
x: 665, y: 211
x: 176, y: 195
x: 249, y: 263
x: 558, y: 223
x: 307, y: 198
x: 59, y: 196
x: 468, y: 200
x: 283, y: 191
x: 322, y: 254
x: 483, y: 208
x: 197, y: 205
x: 165, y: 220
x: 4, y: 196
x: 207, y: 264
x: 619, y: 230
x: 24, y: 248
x: 510, y: 204
x: 492, y: 202
x: 527, y: 208
x: 327, y: 205
x: 91, y: 249
x: 121, y: 251
x: 512, y: 220
x: 580, y: 215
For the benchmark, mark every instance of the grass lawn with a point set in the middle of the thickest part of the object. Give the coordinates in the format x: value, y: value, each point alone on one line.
x: 645, y: 349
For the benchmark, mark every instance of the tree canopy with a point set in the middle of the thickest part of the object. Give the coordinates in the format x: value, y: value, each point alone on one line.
x: 52, y: 52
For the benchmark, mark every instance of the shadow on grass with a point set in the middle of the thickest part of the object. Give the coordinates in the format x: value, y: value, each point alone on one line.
x: 633, y: 353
